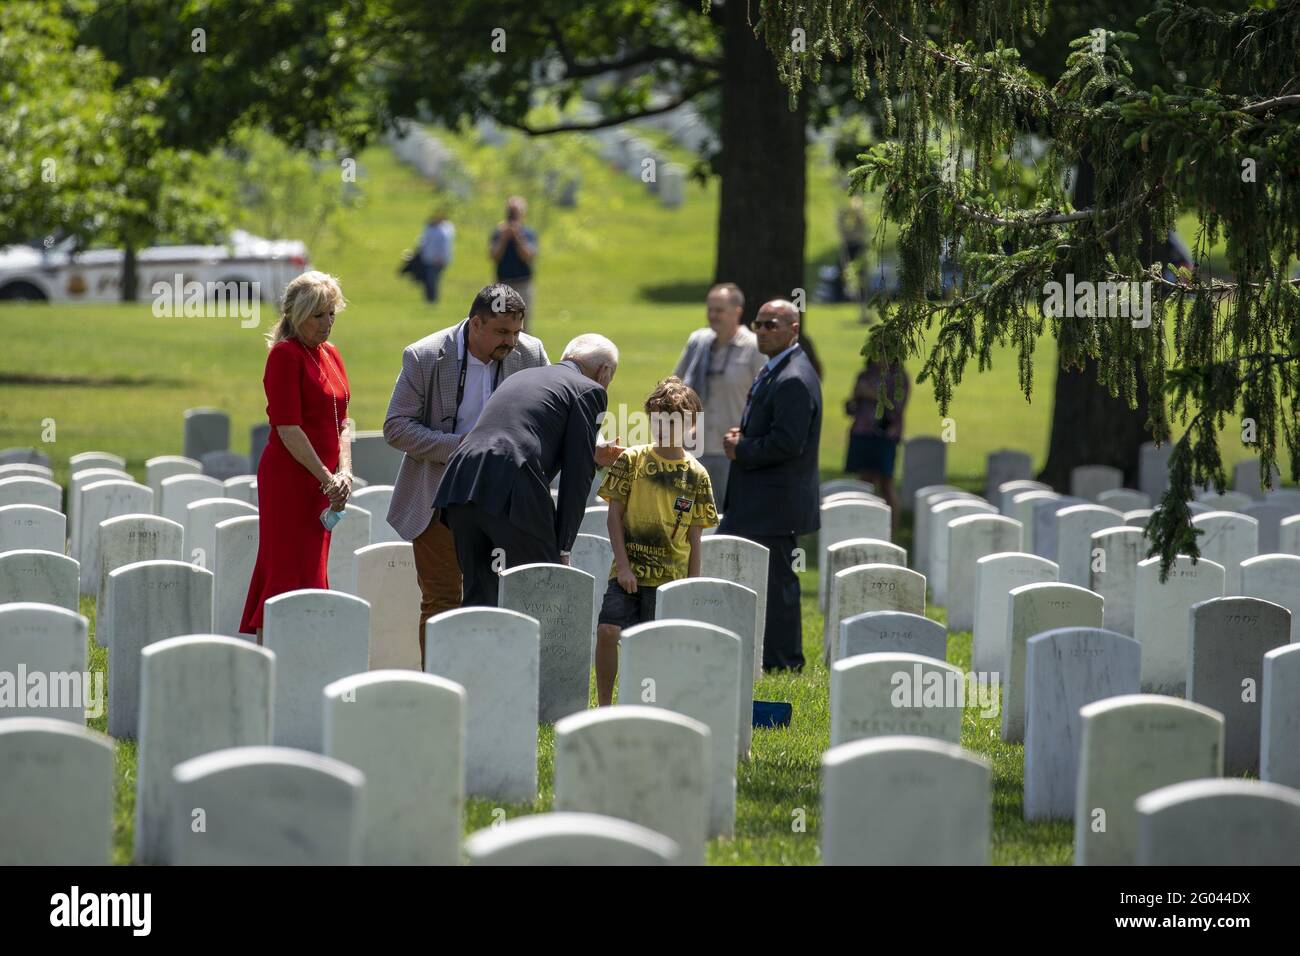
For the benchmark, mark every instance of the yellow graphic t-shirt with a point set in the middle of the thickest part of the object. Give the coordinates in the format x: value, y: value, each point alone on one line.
x: 663, y: 498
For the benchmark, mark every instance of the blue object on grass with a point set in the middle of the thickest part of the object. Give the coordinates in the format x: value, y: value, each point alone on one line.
x: 772, y: 713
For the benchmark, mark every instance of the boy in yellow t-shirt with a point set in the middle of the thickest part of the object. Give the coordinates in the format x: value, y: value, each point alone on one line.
x: 660, y: 502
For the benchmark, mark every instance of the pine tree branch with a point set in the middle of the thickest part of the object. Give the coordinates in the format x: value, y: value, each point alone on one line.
x: 1276, y: 103
x: 605, y: 122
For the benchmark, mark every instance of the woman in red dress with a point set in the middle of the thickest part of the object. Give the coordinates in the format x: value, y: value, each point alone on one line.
x: 307, y: 465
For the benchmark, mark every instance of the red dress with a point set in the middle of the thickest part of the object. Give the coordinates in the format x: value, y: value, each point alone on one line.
x: 293, y: 546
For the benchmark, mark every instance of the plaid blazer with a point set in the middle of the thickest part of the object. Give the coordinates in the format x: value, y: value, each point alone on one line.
x: 425, y: 394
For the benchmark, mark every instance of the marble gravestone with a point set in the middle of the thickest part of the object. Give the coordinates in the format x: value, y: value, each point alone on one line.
x: 1219, y: 823
x: 871, y: 587
x: 100, y: 501
x: 845, y: 520
x: 1153, y: 469
x: 241, y: 488
x: 1124, y: 500
x: 376, y: 499
x: 1288, y: 534
x: 1022, y: 508
x: 317, y: 637
x: 1066, y: 669
x: 641, y: 764
x: 941, y: 516
x: 570, y: 839
x: 1112, y: 573
x: 386, y: 581
x: 1075, y: 527
x: 1270, y: 516
x: 266, y: 806
x: 161, y: 467
x: 995, y: 576
x: 151, y: 601
x: 1003, y: 466
x: 234, y: 553
x: 179, y: 491
x: 881, y: 695
x: 201, y: 520
x: 1279, y: 738
x: 32, y: 528
x: 76, y: 483
x: 206, y: 429
x: 940, y: 800
x: 198, y: 694
x: 1131, y: 745
x: 494, y: 655
x: 926, y: 499
x: 1162, y: 622
x: 595, y: 555
x: 1007, y: 491
x: 349, y: 536
x: 50, y: 641
x: 1089, y: 481
x: 1276, y: 578
x: 924, y: 463
x: 415, y: 792
x: 374, y: 459
x: 852, y: 551
x: 881, y: 632
x: 41, y: 576
x: 56, y: 794
x: 1045, y: 519
x: 1229, y: 638
x: 1031, y: 610
x: 694, y: 670
x: 1229, y: 539
x: 595, y: 520
x: 224, y: 465
x: 969, y: 539
x: 31, y: 491
x: 733, y: 558
x: 125, y: 540
x: 726, y: 605
x: 560, y: 598
x: 95, y: 459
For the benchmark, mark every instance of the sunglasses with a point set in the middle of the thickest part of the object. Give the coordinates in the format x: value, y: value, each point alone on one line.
x: 769, y: 324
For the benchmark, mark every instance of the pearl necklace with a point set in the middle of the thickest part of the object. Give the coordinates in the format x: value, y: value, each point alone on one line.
x: 327, y: 381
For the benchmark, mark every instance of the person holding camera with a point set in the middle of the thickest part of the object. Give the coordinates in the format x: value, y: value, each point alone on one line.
x: 513, y: 248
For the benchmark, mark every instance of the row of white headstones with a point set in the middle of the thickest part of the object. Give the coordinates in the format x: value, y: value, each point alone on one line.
x: 546, y: 595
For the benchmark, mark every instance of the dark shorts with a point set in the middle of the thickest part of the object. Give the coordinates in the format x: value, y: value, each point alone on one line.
x: 871, y: 453
x: 624, y: 610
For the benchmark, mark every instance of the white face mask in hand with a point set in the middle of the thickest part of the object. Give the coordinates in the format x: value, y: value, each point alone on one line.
x: 329, y: 518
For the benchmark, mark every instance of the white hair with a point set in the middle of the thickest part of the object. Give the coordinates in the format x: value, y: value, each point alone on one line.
x: 592, y: 349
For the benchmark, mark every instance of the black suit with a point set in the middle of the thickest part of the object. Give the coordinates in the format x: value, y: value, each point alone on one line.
x: 496, y: 488
x: 773, y: 493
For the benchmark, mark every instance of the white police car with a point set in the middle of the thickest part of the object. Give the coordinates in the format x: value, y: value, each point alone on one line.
x: 52, y: 270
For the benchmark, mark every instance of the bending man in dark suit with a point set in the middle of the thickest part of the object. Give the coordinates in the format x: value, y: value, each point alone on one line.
x: 772, y: 490
x: 496, y: 490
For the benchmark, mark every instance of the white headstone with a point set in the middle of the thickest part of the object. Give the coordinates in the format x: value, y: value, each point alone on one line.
x: 32, y: 528
x: 1065, y: 669
x: 349, y: 536
x: 845, y: 520
x: 206, y: 429
x: 224, y: 465
x: 167, y: 466
x: 1162, y: 623
x: 56, y: 794
x: 837, y: 485
x: 493, y: 654
x: 1230, y: 636
x: 969, y: 539
x: 1153, y: 469
x: 1269, y: 515
x: 99, y: 502
x: 201, y: 520
x: 871, y: 587
x: 594, y: 554
x: 1228, y: 540
x: 234, y: 553
x: 995, y: 576
x: 40, y: 576
x: 1031, y: 610
x: 595, y: 520
x: 376, y: 499
x: 1075, y: 527
x: 924, y: 463
x: 1138, y: 518
x: 386, y: 580
x: 266, y: 806
x: 922, y: 518
x: 733, y: 558
x: 1131, y: 745
x: 570, y: 839
x: 76, y: 483
x: 41, y: 639
x: 695, y: 670
x: 1003, y: 466
x: 1279, y: 738
x: 95, y: 459
x: 940, y: 800
x: 1112, y: 573
x: 31, y: 491
x: 1022, y: 509
x: 642, y: 764
x: 941, y: 516
x: 1219, y: 823
x: 374, y: 459
x: 1124, y: 499
x: 880, y: 695
x: 198, y: 694
x: 847, y: 553
x: 21, y: 470
x: 1276, y: 578
x: 317, y: 637
x: 888, y: 632
x: 1045, y: 516
x: 241, y: 488
x: 1007, y: 491
x: 1089, y: 481
x: 125, y: 540
x: 406, y: 733
x: 1288, y: 534
x: 559, y: 598
x: 179, y: 491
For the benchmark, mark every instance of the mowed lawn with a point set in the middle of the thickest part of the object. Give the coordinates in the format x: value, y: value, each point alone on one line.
x: 116, y: 378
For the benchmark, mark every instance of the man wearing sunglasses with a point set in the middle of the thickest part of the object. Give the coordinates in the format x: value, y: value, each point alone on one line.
x: 772, y: 490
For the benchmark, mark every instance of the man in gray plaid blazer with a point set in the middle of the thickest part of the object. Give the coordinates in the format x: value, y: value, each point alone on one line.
x: 446, y: 380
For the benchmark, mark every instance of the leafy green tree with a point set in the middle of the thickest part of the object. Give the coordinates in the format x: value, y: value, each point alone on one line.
x: 1219, y: 138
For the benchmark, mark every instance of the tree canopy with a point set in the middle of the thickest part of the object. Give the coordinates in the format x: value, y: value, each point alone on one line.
x: 1219, y: 138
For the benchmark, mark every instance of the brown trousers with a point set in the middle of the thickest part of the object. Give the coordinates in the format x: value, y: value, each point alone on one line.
x: 438, y: 572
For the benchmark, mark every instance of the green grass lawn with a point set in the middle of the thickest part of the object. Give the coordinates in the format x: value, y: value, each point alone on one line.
x: 116, y: 378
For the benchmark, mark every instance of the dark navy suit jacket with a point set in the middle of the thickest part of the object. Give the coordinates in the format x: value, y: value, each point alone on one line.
x: 538, y: 422
x: 773, y: 486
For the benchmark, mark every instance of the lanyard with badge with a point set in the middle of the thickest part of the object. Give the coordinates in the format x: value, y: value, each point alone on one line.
x: 462, y: 338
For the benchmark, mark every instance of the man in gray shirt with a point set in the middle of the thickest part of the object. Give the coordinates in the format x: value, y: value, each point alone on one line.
x: 720, y: 363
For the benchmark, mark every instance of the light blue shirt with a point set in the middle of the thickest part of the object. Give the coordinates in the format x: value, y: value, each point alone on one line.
x: 775, y: 359
x: 435, y: 243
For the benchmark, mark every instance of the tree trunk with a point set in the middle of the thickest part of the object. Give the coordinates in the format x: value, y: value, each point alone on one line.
x: 130, y: 273
x: 1088, y: 426
x: 762, y: 169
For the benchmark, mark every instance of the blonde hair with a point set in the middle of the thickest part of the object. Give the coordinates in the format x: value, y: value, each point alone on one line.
x: 304, y: 297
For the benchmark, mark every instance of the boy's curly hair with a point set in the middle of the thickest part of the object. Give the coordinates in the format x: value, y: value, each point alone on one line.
x: 673, y: 395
